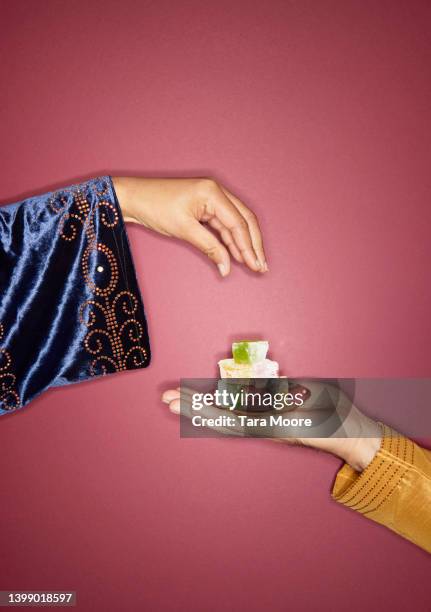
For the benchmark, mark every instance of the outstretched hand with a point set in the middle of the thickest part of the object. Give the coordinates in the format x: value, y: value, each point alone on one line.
x: 185, y: 208
x: 342, y: 428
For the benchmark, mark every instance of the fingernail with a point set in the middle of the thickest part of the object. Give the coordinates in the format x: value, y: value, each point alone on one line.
x: 258, y: 264
x: 173, y: 408
x: 222, y: 269
x: 299, y: 389
x: 165, y: 401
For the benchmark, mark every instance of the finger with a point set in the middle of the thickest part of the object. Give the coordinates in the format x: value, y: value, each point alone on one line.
x: 300, y: 391
x: 320, y: 396
x: 205, y: 241
x: 229, y: 215
x: 175, y: 406
x: 170, y: 395
x: 254, y: 228
x: 313, y: 388
x: 226, y: 236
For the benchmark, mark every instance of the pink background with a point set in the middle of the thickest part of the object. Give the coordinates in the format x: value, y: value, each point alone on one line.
x: 317, y: 113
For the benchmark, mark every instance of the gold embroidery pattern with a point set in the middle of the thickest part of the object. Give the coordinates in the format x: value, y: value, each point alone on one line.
x: 114, y: 336
x: 9, y: 398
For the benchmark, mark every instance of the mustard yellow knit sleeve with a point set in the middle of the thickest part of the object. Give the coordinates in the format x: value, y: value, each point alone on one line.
x: 394, y: 490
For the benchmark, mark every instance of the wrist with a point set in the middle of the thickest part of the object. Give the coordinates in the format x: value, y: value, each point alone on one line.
x: 124, y: 197
x: 360, y: 452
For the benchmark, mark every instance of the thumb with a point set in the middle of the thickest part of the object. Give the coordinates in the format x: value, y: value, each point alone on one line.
x: 205, y: 241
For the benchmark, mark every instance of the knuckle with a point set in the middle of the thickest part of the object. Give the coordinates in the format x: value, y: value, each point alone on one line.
x: 242, y: 224
x: 211, y: 252
x: 207, y: 185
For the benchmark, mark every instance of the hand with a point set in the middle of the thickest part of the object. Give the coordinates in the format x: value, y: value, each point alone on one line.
x: 179, y: 208
x: 364, y: 434
x: 331, y: 409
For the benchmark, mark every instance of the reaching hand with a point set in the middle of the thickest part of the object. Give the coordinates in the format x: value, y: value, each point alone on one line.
x: 180, y: 208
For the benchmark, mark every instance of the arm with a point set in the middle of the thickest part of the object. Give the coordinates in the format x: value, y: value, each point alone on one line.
x: 386, y: 477
x: 393, y: 488
x: 70, y: 306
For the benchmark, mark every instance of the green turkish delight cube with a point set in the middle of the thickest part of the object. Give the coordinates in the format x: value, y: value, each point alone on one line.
x: 249, y: 352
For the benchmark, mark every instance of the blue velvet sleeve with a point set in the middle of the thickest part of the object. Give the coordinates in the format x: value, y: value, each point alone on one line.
x: 70, y: 305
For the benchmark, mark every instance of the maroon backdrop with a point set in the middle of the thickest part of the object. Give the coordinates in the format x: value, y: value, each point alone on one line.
x: 318, y: 114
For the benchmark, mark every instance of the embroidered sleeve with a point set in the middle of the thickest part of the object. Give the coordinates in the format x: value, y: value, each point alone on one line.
x: 70, y: 305
x: 394, y: 490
